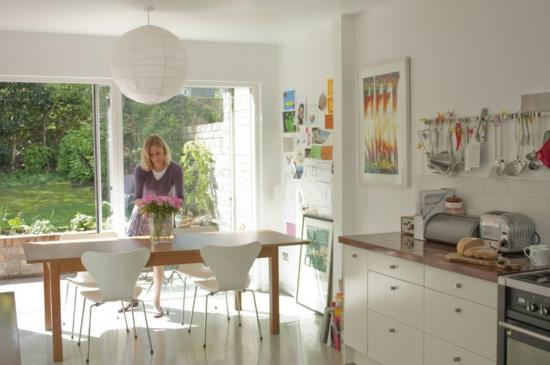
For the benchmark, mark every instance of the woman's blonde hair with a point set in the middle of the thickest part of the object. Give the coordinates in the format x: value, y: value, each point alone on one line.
x: 154, y: 140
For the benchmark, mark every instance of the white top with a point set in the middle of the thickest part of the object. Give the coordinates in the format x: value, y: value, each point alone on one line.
x: 160, y: 174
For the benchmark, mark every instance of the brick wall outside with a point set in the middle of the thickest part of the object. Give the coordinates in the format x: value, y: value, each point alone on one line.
x: 12, y: 257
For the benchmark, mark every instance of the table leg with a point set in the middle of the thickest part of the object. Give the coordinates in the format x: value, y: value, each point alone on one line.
x: 47, y: 298
x: 274, y: 290
x: 56, y: 312
x: 238, y: 301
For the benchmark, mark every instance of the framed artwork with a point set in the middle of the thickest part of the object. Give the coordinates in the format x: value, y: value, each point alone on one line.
x: 384, y: 123
x: 315, y: 268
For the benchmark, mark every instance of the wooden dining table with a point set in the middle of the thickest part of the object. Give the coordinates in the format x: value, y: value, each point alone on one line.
x: 59, y: 257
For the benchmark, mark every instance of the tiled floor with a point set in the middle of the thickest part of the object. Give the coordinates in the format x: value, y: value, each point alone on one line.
x: 227, y: 343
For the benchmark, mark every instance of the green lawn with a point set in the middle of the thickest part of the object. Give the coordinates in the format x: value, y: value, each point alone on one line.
x: 57, y: 201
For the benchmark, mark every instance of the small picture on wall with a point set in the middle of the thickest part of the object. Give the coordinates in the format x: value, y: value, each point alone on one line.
x: 288, y: 122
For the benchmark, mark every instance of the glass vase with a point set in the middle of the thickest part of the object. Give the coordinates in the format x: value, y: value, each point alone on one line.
x: 161, y: 227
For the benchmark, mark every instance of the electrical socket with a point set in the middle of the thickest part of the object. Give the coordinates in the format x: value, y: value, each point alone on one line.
x: 285, y: 256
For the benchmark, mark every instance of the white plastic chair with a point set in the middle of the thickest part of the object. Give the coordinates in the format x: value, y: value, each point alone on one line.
x: 230, y: 266
x: 198, y: 271
x: 116, y: 275
x: 82, y: 279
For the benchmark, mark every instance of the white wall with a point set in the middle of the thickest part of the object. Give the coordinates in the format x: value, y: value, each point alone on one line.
x: 73, y: 57
x: 305, y: 64
x: 465, y: 55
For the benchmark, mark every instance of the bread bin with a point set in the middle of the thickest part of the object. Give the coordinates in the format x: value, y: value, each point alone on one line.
x: 450, y: 228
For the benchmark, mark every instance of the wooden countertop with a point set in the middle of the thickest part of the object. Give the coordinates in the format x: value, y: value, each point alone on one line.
x: 428, y: 253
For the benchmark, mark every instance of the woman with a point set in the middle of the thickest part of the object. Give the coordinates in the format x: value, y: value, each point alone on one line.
x: 157, y: 174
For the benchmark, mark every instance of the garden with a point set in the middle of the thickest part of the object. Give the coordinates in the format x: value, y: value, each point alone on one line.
x: 47, y: 155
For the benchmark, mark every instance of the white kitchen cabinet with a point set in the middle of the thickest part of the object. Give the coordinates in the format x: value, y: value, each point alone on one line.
x: 355, y: 300
x: 397, y: 268
x: 439, y: 352
x: 466, y: 287
x: 461, y: 322
x: 397, y: 299
x: 393, y: 343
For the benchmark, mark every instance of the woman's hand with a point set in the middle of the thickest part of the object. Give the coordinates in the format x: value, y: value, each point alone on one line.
x: 139, y: 203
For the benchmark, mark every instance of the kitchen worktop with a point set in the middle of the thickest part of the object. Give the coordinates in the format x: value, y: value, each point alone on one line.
x: 429, y: 253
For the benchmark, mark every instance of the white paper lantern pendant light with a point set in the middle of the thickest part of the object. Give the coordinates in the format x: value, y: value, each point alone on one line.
x: 149, y: 64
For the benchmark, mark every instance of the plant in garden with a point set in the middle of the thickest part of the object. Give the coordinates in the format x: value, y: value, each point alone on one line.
x: 76, y: 155
x: 37, y: 158
x: 198, y: 167
x: 40, y: 226
x: 82, y: 222
x: 17, y: 225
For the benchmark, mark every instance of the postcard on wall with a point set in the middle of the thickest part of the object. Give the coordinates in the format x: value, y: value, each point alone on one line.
x: 289, y: 98
x: 288, y: 122
x: 330, y: 88
x: 329, y: 121
x: 315, y: 117
x: 301, y: 111
x: 384, y: 123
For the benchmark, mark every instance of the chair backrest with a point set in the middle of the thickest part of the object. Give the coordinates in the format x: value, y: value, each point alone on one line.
x: 231, y: 265
x: 116, y: 273
x: 86, y: 236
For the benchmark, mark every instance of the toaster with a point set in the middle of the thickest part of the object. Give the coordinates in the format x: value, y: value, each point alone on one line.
x: 508, y: 232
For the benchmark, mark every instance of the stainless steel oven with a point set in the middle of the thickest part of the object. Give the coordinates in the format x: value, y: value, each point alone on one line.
x: 524, y: 319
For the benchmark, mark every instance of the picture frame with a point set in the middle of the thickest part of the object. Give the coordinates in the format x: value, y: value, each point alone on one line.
x: 384, y: 122
x: 315, y: 267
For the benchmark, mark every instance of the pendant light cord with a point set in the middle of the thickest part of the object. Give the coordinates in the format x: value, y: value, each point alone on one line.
x: 149, y: 9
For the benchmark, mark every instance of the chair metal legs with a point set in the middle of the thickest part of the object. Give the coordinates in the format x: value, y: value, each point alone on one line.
x: 81, y: 321
x: 124, y: 314
x: 183, y: 302
x: 133, y: 320
x: 74, y: 311
x: 206, y: 318
x: 256, y: 309
x: 89, y: 330
x: 227, y: 307
x: 147, y: 325
x: 192, y: 310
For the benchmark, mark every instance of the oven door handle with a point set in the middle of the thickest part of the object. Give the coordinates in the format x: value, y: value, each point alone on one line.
x: 511, y: 327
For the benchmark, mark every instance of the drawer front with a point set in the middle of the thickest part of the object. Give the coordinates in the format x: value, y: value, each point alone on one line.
x: 398, y: 268
x: 466, y: 287
x: 439, y: 352
x: 461, y: 322
x: 393, y: 343
x: 355, y: 303
x: 397, y: 299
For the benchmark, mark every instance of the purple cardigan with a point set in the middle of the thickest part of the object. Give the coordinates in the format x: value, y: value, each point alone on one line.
x: 146, y: 182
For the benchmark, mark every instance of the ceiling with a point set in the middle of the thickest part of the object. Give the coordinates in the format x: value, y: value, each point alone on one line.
x: 249, y: 21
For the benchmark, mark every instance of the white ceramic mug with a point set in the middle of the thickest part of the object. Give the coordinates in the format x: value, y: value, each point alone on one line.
x: 538, y: 254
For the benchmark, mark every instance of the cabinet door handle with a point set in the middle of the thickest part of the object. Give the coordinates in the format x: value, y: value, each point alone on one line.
x: 354, y: 255
x: 458, y: 286
x: 458, y: 310
x: 393, y: 267
x: 456, y: 359
x: 393, y: 287
x: 391, y: 330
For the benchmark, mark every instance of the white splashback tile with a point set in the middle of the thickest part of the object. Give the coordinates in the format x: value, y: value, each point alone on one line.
x: 509, y: 194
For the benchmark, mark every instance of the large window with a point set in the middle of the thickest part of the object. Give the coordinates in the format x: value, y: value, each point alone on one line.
x: 51, y: 178
x: 201, y: 124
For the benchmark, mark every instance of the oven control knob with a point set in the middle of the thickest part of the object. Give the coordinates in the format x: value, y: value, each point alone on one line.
x: 544, y: 311
x: 531, y: 307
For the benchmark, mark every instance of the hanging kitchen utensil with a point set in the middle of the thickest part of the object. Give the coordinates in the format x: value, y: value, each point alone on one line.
x: 516, y: 167
x: 501, y: 169
x: 544, y: 154
x: 496, y: 161
x: 533, y: 162
x: 472, y: 155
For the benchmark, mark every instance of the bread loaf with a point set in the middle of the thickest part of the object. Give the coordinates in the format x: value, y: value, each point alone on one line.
x: 467, y: 243
x: 479, y: 252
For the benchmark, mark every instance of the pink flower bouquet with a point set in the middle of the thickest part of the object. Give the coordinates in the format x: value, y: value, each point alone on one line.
x: 161, y: 205
x: 160, y: 211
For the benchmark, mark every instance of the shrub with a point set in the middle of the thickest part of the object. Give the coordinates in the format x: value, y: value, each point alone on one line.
x: 198, y: 167
x: 16, y: 225
x: 82, y: 222
x: 37, y: 157
x: 40, y: 226
x: 76, y: 155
